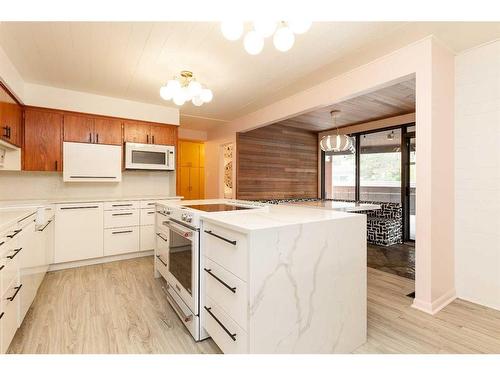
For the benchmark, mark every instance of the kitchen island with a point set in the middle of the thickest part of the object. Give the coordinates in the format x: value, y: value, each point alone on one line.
x: 282, y: 279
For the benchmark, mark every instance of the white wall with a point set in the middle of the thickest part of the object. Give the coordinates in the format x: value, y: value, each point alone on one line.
x: 477, y: 175
x: 195, y: 135
x: 53, y: 97
x: 10, y: 77
x: 50, y: 185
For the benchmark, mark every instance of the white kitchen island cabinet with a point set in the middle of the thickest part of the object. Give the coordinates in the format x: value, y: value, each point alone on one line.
x: 289, y: 280
x: 79, y: 231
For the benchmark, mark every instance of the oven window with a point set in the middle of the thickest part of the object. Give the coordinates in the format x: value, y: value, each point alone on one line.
x: 148, y: 157
x: 181, y: 260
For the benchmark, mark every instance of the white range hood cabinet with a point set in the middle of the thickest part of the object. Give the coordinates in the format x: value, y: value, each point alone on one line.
x: 86, y: 162
x: 10, y: 157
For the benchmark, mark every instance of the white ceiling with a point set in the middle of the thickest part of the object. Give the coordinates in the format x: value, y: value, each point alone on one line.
x: 132, y: 60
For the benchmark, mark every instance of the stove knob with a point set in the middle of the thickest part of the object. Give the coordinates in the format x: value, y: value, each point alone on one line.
x: 189, y: 219
x: 183, y: 217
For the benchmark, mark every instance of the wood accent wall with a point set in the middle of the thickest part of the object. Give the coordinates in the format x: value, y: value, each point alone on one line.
x: 275, y: 162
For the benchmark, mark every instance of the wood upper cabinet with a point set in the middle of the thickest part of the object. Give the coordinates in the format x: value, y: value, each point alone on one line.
x: 78, y: 129
x: 190, y: 170
x: 10, y: 119
x: 164, y: 135
x: 42, y: 140
x: 143, y: 132
x: 86, y: 129
x: 136, y: 132
x: 108, y: 131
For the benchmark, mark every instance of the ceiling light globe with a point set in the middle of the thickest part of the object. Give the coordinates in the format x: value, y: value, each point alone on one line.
x: 232, y: 30
x: 194, y: 88
x: 165, y: 93
x: 197, y: 101
x: 299, y: 26
x: 173, y: 85
x: 283, y: 39
x: 264, y: 28
x: 207, y: 95
x: 254, y: 43
x: 187, y: 94
x: 180, y: 97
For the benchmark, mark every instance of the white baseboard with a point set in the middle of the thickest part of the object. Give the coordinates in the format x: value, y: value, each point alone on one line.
x: 436, y: 305
x: 89, y: 262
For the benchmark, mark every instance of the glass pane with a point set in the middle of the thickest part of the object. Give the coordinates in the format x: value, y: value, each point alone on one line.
x: 380, y: 166
x: 180, y: 256
x: 413, y: 185
x: 340, y: 175
x: 148, y: 157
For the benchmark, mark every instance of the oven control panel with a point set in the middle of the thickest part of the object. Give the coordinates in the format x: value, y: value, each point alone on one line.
x: 188, y: 218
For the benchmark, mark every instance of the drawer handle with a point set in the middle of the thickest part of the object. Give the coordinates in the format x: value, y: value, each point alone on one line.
x: 163, y: 238
x: 16, y: 232
x: 122, y: 231
x: 122, y: 205
x: 151, y: 212
x: 1, y: 243
x: 175, y: 305
x: 16, y: 251
x: 231, y: 288
x: 78, y: 207
x: 232, y: 335
x: 2, y: 267
x: 1, y: 315
x: 123, y: 214
x: 163, y: 213
x: 45, y: 226
x: 17, y: 288
x: 232, y: 242
x: 151, y: 204
x: 161, y: 260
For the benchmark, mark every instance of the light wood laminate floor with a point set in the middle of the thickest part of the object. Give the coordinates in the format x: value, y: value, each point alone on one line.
x: 118, y: 308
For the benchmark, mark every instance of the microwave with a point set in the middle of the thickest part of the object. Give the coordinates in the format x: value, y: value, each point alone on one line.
x: 149, y: 157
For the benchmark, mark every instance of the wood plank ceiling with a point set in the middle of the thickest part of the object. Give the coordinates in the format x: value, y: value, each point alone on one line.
x: 390, y: 101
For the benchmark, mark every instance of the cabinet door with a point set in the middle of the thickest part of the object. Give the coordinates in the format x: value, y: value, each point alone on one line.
x: 136, y: 132
x: 194, y: 183
x: 78, y: 129
x: 164, y: 135
x: 42, y: 141
x: 184, y: 189
x: 78, y: 231
x: 108, y: 131
x: 189, y: 154
x: 10, y: 119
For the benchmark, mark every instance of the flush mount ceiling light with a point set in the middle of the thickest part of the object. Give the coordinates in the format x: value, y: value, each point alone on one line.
x: 184, y: 88
x: 283, y: 33
x: 339, y: 142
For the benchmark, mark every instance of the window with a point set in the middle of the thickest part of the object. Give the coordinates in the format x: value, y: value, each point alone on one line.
x: 340, y: 175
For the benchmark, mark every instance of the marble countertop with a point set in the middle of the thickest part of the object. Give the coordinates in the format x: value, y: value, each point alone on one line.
x: 10, y: 217
x: 272, y: 216
x: 338, y: 205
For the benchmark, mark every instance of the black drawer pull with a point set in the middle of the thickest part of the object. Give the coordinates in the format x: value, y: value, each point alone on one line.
x: 17, y: 288
x: 231, y: 288
x: 161, y: 260
x: 2, y: 267
x: 122, y: 231
x: 16, y: 251
x: 16, y: 232
x: 163, y: 213
x: 151, y: 204
x: 232, y: 242
x: 123, y: 214
x: 1, y: 315
x: 122, y: 205
x: 45, y: 226
x: 78, y: 207
x: 163, y: 238
x: 151, y: 212
x: 1, y: 243
x: 232, y: 335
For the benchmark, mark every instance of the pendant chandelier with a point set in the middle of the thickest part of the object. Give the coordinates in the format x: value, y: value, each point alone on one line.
x: 184, y: 88
x: 339, y: 142
x: 283, y: 33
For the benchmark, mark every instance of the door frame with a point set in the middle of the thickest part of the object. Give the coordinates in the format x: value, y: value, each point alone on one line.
x: 406, y: 138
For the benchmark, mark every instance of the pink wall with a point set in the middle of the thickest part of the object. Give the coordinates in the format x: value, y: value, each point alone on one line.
x: 433, y: 65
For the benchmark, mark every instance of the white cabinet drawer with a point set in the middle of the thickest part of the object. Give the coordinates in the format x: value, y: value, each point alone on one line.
x: 230, y: 337
x: 147, y: 216
x: 161, y: 253
x: 121, y: 205
x: 147, y: 237
x: 121, y: 218
x: 121, y: 240
x: 148, y: 204
x: 227, y: 291
x: 227, y: 248
x: 9, y: 265
x: 8, y: 322
x: 162, y: 265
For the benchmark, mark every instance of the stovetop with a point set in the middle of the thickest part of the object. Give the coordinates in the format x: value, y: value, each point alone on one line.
x: 217, y: 207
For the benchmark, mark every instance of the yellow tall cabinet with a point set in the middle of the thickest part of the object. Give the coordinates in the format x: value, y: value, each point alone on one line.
x: 191, y: 170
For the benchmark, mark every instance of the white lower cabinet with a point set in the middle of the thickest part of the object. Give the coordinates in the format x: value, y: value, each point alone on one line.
x: 79, y: 232
x: 161, y: 254
x: 9, y: 315
x: 31, y: 261
x: 147, y: 236
x: 121, y: 240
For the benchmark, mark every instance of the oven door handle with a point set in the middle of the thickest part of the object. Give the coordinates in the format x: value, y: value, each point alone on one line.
x: 177, y: 229
x: 175, y: 305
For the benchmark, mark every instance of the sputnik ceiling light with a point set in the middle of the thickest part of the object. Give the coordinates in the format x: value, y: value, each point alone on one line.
x: 339, y: 142
x: 283, y: 31
x: 184, y: 88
